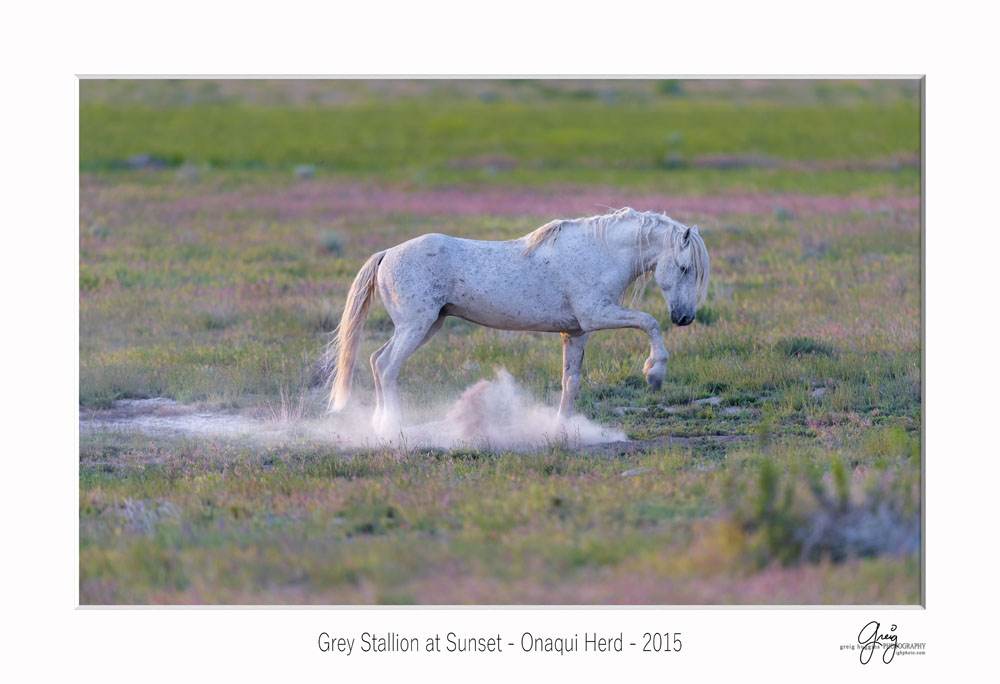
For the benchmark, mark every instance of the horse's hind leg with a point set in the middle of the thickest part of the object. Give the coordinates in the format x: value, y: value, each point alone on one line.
x: 406, y: 340
x: 573, y: 346
x: 435, y: 326
x: 379, y: 392
x: 378, y: 383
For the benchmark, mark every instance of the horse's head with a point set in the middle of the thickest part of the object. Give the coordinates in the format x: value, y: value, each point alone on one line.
x: 682, y: 273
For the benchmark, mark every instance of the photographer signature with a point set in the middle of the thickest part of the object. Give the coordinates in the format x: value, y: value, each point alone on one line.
x: 870, y: 639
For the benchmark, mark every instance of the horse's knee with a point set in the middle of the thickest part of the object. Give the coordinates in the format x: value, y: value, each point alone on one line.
x: 650, y: 324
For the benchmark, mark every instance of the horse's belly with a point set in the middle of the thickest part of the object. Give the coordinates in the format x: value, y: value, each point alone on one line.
x: 503, y: 290
x: 513, y: 315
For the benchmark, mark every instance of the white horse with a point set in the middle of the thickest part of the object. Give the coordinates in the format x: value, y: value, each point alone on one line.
x: 569, y: 277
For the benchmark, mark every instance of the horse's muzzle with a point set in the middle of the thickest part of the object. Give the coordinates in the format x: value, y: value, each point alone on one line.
x: 684, y: 319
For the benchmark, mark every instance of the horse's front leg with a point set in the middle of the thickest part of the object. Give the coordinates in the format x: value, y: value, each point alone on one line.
x: 608, y: 317
x: 573, y: 346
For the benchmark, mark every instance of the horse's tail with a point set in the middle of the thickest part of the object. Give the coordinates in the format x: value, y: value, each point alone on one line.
x: 347, y: 337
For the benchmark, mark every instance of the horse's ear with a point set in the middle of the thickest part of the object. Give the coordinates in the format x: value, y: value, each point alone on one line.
x: 687, y: 235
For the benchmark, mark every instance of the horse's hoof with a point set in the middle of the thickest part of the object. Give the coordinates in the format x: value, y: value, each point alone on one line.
x: 655, y: 381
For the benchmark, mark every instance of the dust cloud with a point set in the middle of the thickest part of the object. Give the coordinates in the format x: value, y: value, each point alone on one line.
x: 498, y: 413
x: 490, y: 414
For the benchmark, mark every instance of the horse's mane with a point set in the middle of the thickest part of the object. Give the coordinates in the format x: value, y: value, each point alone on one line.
x: 598, y: 227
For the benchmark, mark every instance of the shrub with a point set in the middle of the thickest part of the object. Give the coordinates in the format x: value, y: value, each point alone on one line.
x: 334, y: 242
x: 799, y: 514
x: 670, y: 86
x: 707, y: 315
x: 800, y: 346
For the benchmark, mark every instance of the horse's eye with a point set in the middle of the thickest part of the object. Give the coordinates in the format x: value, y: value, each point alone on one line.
x: 685, y: 269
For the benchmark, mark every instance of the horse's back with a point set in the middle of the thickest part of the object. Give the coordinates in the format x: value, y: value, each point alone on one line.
x: 446, y: 256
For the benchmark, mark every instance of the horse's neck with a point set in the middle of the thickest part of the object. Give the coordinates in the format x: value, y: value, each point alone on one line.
x: 641, y: 246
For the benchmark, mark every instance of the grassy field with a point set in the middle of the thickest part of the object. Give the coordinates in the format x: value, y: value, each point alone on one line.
x: 221, y: 224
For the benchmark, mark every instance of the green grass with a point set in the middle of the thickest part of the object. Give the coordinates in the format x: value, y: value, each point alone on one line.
x: 651, y: 142
x: 304, y: 524
x: 409, y: 133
